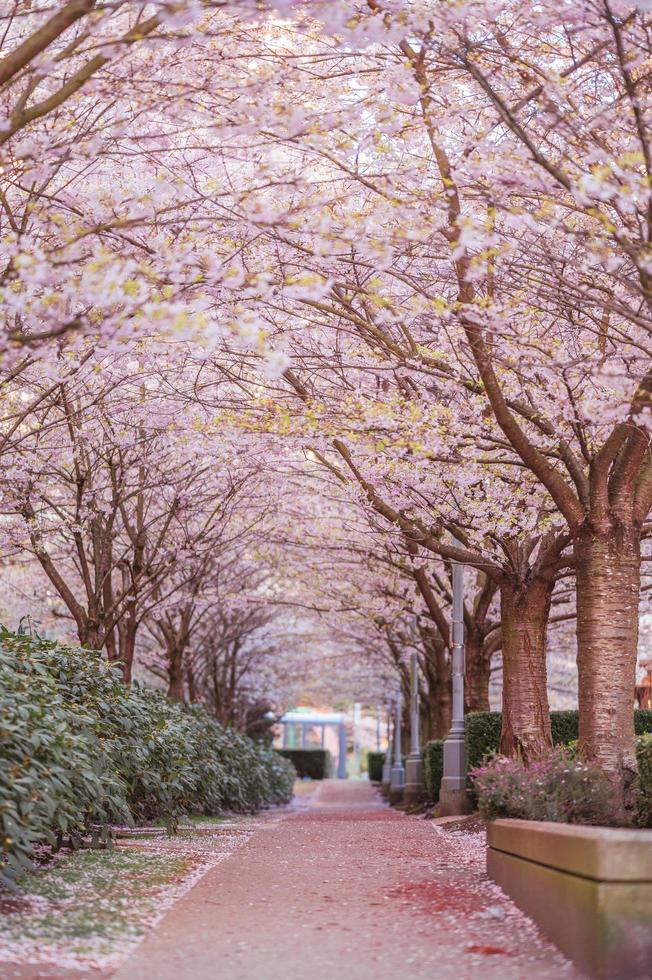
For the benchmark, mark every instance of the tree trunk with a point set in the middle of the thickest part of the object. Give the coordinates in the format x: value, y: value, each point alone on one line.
x: 127, y: 628
x: 192, y: 687
x: 438, y: 700
x: 90, y: 636
x: 526, y: 714
x: 437, y: 706
x: 608, y: 587
x: 175, y: 673
x: 477, y: 671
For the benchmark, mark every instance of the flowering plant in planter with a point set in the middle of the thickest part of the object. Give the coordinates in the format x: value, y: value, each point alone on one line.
x: 558, y: 787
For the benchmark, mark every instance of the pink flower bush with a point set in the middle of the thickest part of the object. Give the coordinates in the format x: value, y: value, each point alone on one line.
x: 558, y: 787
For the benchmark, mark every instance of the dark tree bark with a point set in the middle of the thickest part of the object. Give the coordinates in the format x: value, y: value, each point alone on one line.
x: 437, y: 702
x: 526, y: 713
x: 176, y: 674
x: 477, y: 673
x: 608, y: 588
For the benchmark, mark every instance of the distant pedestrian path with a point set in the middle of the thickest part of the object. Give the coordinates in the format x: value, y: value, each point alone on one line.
x: 344, y: 887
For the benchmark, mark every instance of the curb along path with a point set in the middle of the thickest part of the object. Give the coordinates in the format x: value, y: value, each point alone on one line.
x: 342, y: 886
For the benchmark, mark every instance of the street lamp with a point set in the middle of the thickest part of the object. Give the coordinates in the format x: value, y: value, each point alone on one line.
x: 387, y: 764
x: 453, y: 798
x: 397, y: 775
x: 414, y: 765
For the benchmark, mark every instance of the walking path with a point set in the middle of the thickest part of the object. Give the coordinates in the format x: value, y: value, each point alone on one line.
x: 344, y: 887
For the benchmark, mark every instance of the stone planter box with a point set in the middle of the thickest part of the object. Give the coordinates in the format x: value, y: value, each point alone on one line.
x: 589, y: 889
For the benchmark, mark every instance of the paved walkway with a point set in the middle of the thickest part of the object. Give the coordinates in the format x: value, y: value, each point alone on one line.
x: 344, y: 887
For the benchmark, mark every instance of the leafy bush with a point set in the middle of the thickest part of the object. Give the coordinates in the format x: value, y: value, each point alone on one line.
x: 54, y: 777
x: 559, y: 788
x: 433, y: 769
x: 309, y: 763
x: 644, y: 780
x: 78, y: 748
x: 375, y: 763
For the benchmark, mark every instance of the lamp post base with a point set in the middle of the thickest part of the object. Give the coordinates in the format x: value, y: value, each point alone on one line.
x: 386, y: 778
x: 395, y: 795
x: 453, y: 799
x: 397, y: 785
x: 453, y: 796
x: 413, y: 793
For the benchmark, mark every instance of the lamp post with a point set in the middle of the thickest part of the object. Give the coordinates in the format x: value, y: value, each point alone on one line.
x: 397, y: 775
x: 413, y: 765
x: 453, y: 798
x: 387, y: 764
x: 356, y: 738
x: 341, y: 755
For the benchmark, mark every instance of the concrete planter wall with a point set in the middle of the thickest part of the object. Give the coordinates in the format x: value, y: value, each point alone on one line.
x: 588, y: 888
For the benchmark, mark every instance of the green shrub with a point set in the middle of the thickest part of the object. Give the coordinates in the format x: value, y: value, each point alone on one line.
x: 558, y: 787
x: 433, y: 769
x: 644, y: 780
x: 375, y: 763
x: 77, y: 748
x: 309, y: 763
x: 643, y: 721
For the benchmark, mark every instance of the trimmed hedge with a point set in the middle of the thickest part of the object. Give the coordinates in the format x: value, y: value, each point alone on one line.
x: 433, y: 769
x: 78, y: 748
x: 482, y: 736
x: 375, y: 763
x: 483, y: 739
x: 483, y: 731
x: 643, y: 721
x: 564, y: 726
x: 309, y: 763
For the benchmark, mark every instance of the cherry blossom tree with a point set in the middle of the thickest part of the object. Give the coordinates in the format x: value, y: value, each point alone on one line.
x: 410, y: 241
x: 531, y: 249
x: 108, y: 497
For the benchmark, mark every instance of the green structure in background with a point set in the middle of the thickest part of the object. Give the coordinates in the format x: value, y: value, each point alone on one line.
x: 375, y: 762
x: 310, y: 763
